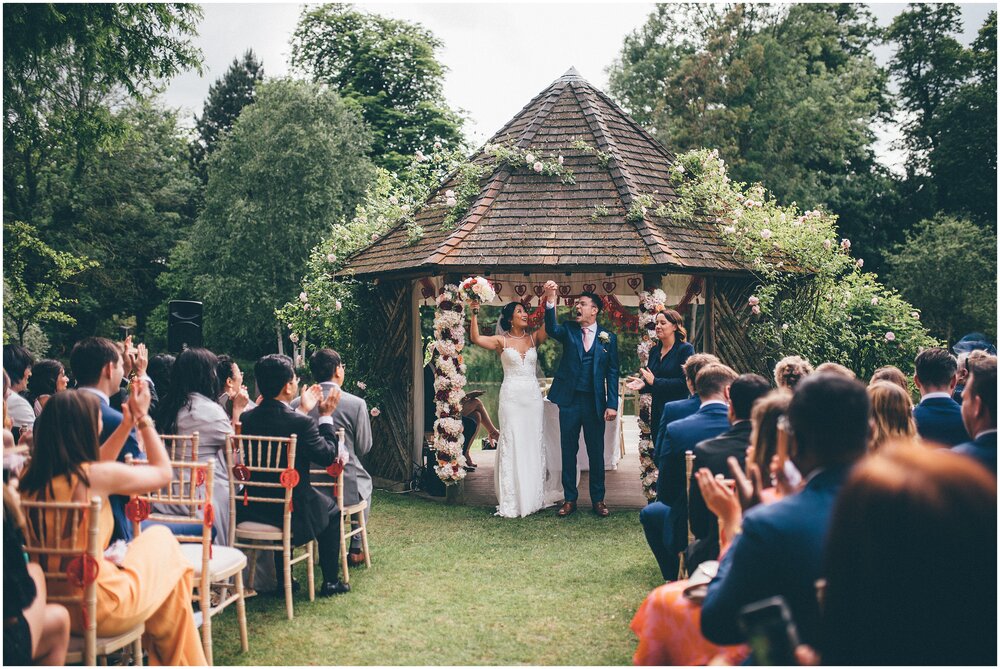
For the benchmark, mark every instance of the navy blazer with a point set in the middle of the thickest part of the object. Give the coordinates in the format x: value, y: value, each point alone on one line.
x: 683, y: 435
x: 605, y: 363
x: 939, y: 419
x: 673, y: 411
x: 669, y: 383
x: 983, y: 449
x: 111, y: 419
x: 779, y: 552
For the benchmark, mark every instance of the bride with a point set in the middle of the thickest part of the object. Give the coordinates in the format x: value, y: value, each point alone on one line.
x: 520, y: 471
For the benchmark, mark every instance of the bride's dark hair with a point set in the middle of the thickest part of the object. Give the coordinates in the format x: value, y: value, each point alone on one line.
x: 507, y: 313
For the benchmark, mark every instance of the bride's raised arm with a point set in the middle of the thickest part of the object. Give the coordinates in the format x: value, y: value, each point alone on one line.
x: 492, y: 343
x: 540, y: 335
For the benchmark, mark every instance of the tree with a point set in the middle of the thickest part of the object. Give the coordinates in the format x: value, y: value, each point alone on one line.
x: 294, y: 165
x: 226, y: 99
x: 948, y: 268
x: 387, y: 69
x: 35, y: 279
x: 787, y: 96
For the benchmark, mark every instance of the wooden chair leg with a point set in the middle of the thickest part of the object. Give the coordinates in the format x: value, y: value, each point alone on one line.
x: 315, y: 549
x: 252, y: 568
x: 343, y: 551
x: 205, y: 602
x: 102, y: 660
x: 364, y: 540
x: 286, y: 568
x: 241, y: 612
x: 137, y: 652
x: 311, y: 569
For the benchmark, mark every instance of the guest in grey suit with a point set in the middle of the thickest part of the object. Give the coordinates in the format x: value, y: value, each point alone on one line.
x: 351, y: 414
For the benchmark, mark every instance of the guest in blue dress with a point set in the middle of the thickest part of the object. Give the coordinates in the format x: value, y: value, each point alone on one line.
x: 664, y: 374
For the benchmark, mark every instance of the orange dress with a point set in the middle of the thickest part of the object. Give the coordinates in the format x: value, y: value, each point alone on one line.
x: 153, y: 586
x: 668, y: 625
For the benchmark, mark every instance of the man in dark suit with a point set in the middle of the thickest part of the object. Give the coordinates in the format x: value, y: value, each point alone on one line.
x: 98, y: 368
x: 979, y: 412
x: 665, y: 521
x: 682, y: 408
x: 938, y: 416
x: 713, y: 454
x: 314, y: 515
x: 779, y: 550
x: 585, y: 388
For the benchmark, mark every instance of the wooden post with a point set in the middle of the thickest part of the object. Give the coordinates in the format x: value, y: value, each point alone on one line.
x: 709, y: 317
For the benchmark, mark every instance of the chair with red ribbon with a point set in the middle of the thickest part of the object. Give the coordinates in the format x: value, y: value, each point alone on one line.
x: 264, y: 478
x: 64, y: 539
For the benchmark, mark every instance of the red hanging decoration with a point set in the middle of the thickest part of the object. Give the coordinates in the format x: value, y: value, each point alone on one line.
x: 336, y: 469
x: 82, y: 570
x: 241, y: 472
x: 137, y: 510
x: 426, y: 288
x: 199, y: 478
x: 289, y: 478
x: 634, y: 283
x: 538, y: 290
x: 536, y: 317
x: 520, y: 289
x: 693, y: 288
x: 589, y: 287
x: 609, y: 286
x: 497, y: 287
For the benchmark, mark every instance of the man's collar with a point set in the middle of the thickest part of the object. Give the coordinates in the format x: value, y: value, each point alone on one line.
x: 936, y: 395
x: 708, y: 402
x: 983, y: 433
x: 96, y: 391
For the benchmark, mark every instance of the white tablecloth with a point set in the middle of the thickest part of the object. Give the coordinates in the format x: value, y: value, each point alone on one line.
x: 553, y: 449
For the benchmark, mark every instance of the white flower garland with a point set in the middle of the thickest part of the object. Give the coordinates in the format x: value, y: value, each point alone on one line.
x: 650, y: 303
x: 449, y: 340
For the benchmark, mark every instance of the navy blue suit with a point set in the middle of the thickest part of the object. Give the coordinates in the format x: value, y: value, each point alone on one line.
x: 669, y: 383
x: 665, y: 521
x: 673, y: 411
x: 939, y: 419
x: 583, y: 390
x: 983, y: 449
x: 779, y: 552
x: 111, y: 419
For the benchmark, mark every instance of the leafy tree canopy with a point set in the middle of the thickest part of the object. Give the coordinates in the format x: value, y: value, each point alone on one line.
x: 385, y: 67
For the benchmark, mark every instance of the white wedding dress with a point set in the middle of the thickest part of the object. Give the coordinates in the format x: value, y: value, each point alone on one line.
x: 520, y: 476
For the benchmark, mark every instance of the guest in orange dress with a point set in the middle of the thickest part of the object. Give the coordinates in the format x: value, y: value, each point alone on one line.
x: 153, y: 585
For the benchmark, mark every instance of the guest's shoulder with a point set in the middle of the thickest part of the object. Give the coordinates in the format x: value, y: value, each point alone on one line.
x: 686, y: 349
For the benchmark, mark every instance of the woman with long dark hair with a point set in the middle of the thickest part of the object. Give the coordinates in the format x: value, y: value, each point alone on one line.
x: 154, y: 581
x: 48, y: 377
x: 191, y: 407
x: 663, y: 376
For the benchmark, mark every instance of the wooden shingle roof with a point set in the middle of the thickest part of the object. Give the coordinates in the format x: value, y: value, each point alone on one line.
x: 523, y: 221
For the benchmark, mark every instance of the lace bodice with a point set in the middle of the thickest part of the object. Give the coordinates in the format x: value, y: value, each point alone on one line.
x: 517, y: 367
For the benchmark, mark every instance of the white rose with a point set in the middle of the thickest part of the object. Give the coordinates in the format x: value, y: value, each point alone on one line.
x: 303, y: 297
x: 529, y: 158
x: 294, y: 337
x: 337, y: 305
x: 393, y: 199
x: 560, y: 159
x: 419, y: 155
x: 537, y: 166
x: 765, y: 233
x: 449, y: 193
x: 451, y: 202
x: 331, y: 257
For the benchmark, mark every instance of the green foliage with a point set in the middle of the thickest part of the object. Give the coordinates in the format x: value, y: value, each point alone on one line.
x: 787, y: 95
x: 227, y: 97
x: 385, y: 67
x: 292, y: 168
x: 35, y: 280
x: 812, y: 298
x: 948, y: 267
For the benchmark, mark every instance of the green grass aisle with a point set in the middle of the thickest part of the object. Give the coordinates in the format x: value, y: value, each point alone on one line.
x: 454, y: 585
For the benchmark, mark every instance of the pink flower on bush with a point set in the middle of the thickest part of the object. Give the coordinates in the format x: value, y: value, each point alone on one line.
x: 560, y: 159
x: 753, y: 301
x: 915, y: 314
x: 765, y: 233
x: 890, y: 336
x: 827, y: 244
x: 537, y: 166
x: 331, y: 257
x: 362, y: 385
x: 419, y: 155
x: 755, y: 309
x: 375, y: 412
x: 860, y: 263
x: 845, y: 244
x: 337, y: 305
x: 874, y: 301
x: 303, y: 298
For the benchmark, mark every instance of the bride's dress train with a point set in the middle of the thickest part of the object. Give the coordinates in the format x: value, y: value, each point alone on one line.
x: 521, y: 478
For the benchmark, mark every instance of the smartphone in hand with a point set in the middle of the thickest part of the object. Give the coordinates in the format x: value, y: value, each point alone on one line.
x: 770, y: 631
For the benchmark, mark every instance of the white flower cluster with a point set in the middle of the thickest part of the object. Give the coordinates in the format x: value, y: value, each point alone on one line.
x: 651, y: 301
x: 478, y: 289
x: 648, y: 473
x: 449, y: 382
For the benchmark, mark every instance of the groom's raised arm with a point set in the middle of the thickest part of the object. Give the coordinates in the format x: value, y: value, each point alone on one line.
x: 552, y: 328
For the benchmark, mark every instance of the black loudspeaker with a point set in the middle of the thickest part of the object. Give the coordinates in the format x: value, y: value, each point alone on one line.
x: 183, y: 325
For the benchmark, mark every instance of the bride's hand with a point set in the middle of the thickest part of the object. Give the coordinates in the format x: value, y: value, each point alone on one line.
x: 474, y: 307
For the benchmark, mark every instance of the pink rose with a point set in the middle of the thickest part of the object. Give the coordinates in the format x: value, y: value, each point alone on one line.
x: 753, y: 301
x: 755, y: 309
x: 890, y: 336
x: 375, y: 412
x: 537, y: 166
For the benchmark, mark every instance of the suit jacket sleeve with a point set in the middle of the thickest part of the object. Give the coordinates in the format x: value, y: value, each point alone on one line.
x: 319, y: 442
x: 552, y: 328
x: 612, y: 375
x: 675, y: 383
x: 362, y: 431
x: 743, y: 578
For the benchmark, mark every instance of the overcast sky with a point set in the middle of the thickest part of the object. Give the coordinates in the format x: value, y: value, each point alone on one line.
x: 498, y: 56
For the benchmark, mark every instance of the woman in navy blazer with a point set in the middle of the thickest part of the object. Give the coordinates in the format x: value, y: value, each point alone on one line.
x: 664, y: 375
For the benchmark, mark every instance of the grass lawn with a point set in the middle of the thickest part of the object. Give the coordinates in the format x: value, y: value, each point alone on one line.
x: 454, y: 585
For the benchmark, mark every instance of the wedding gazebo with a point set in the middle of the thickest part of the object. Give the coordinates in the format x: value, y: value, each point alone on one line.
x: 524, y: 227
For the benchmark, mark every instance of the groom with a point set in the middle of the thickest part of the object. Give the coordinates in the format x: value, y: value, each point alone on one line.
x: 585, y: 388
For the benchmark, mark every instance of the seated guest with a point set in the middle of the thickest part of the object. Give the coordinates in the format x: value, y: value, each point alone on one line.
x: 713, y: 454
x: 351, y: 414
x: 892, y: 415
x: 678, y: 409
x: 98, y: 368
x: 961, y: 376
x: 780, y: 549
x: 154, y: 581
x: 135, y: 361
x: 474, y: 414
x: 191, y: 407
x: 47, y: 378
x: 938, y: 416
x: 314, y: 516
x: 790, y: 370
x: 34, y: 631
x: 17, y: 362
x: 979, y: 412
x: 764, y: 433
x: 665, y: 521
x: 230, y: 378
x: 836, y: 368
x: 892, y: 375
x: 663, y: 375
x: 902, y: 519
x: 159, y: 371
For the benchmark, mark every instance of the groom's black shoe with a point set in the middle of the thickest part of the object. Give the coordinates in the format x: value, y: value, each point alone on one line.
x: 566, y: 509
x: 601, y: 509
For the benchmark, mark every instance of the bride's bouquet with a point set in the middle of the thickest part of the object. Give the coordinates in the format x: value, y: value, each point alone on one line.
x: 477, y: 289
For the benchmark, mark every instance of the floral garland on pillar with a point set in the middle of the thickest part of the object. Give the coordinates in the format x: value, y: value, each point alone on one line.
x: 650, y: 303
x: 449, y: 384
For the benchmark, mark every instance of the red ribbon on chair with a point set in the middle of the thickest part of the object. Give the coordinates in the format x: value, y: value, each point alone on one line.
x: 289, y: 479
x: 81, y: 572
x: 335, y: 470
x: 137, y: 510
x: 199, y: 478
x: 208, y: 514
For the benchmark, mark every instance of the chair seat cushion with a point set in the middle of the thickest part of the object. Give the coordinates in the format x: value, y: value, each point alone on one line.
x: 254, y: 526
x: 225, y: 560
x: 106, y: 644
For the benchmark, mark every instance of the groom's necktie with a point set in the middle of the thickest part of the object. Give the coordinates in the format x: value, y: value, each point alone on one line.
x: 586, y: 339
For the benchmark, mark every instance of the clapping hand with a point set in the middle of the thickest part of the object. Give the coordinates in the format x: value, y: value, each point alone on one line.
x: 720, y: 500
x: 128, y: 356
x: 308, y: 398
x: 635, y: 384
x: 329, y: 404
x: 241, y: 399
x: 748, y: 488
x: 647, y: 376
x: 141, y: 359
x: 139, y: 398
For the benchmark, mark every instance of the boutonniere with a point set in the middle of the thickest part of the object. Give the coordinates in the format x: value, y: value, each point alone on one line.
x: 604, y: 338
